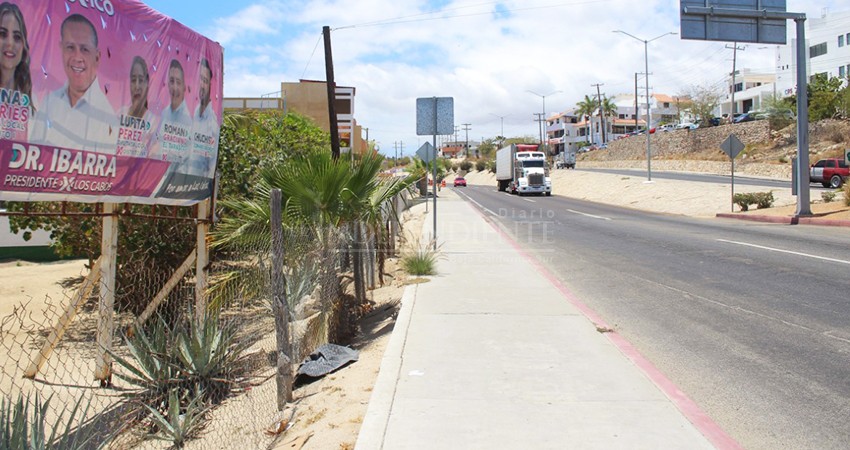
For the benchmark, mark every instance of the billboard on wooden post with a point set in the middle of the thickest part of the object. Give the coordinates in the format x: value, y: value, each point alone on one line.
x: 106, y: 101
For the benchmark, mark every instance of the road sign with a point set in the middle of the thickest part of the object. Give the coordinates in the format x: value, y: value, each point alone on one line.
x: 732, y: 146
x: 758, y: 21
x: 427, y: 152
x: 435, y: 116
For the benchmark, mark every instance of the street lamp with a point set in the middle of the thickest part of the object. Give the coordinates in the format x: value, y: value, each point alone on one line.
x: 648, y: 113
x: 543, y: 119
x: 502, y: 133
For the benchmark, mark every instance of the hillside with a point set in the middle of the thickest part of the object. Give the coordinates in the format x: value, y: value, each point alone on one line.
x: 767, y: 152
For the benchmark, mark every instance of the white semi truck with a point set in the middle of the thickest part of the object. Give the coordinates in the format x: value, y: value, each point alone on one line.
x: 522, y: 169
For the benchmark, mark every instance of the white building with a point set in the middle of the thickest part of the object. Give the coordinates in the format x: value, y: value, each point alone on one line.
x: 828, y: 51
x: 750, y: 90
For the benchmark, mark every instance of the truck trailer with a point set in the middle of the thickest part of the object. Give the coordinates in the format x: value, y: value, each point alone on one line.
x: 522, y: 169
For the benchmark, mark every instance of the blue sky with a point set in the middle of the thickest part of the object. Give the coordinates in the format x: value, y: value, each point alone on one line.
x: 486, y: 55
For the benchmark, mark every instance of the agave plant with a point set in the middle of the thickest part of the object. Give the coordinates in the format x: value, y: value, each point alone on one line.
x: 27, y: 429
x: 208, y: 356
x: 151, y: 365
x: 178, y: 424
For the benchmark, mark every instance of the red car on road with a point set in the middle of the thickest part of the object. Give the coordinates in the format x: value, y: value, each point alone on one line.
x: 460, y: 181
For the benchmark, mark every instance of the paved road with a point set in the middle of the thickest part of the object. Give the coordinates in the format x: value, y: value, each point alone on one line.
x: 752, y: 321
x: 708, y: 178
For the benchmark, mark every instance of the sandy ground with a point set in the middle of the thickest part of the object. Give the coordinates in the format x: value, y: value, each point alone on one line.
x: 329, y: 412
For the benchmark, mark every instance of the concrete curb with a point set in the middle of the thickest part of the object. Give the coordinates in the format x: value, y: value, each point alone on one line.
x: 371, y: 435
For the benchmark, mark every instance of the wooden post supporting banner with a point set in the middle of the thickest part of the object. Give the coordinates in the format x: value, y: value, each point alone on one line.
x: 58, y: 331
x: 280, y: 307
x: 203, y: 258
x: 166, y: 289
x: 106, y: 305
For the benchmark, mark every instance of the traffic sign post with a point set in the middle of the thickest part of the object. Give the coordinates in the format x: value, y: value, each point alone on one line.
x: 758, y: 21
x: 732, y: 146
x: 434, y: 115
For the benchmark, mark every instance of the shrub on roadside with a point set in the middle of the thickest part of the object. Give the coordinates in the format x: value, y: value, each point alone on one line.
x: 421, y: 260
x: 480, y: 165
x: 465, y: 165
x: 760, y: 199
x: 827, y: 196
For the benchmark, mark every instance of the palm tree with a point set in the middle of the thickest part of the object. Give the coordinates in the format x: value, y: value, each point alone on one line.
x: 607, y: 108
x: 585, y: 109
x: 323, y: 196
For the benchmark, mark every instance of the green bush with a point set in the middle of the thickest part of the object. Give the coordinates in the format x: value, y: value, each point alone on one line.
x: 764, y: 199
x: 422, y: 261
x: 760, y: 199
x: 466, y: 165
x: 480, y: 165
x: 743, y: 201
x: 828, y: 196
x: 455, y: 167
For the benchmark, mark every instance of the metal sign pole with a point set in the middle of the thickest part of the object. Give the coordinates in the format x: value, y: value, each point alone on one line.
x: 733, y: 184
x: 434, y: 171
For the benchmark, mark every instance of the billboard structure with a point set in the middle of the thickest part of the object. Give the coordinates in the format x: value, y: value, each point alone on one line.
x: 110, y: 101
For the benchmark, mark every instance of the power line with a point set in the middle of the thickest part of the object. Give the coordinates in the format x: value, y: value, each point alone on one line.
x: 419, y: 17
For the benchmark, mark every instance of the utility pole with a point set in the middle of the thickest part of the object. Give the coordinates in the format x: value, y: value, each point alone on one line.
x: 539, y: 121
x: 735, y: 49
x: 637, y: 113
x: 601, y: 116
x: 331, y: 84
x: 466, y: 147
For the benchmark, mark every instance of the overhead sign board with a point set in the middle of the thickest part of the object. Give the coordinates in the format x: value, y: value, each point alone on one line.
x: 435, y: 116
x: 757, y: 21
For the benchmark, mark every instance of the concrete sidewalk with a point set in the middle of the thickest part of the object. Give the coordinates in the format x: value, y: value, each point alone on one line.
x: 494, y: 353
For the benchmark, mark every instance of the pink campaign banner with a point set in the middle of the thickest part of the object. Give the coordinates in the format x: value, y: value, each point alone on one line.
x: 106, y: 101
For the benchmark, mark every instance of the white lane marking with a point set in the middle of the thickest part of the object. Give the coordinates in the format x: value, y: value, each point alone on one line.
x: 588, y: 215
x: 785, y: 251
x: 479, y: 204
x: 530, y: 200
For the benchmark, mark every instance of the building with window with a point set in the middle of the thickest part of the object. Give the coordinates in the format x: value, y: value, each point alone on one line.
x: 828, y: 51
x: 750, y: 90
x: 310, y: 98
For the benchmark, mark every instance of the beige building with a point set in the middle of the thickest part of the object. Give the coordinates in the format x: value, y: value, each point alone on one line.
x: 310, y: 98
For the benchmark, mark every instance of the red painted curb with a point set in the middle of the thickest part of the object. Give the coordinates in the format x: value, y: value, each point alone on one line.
x: 788, y: 220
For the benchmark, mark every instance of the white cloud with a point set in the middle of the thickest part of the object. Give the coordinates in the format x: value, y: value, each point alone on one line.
x: 486, y: 61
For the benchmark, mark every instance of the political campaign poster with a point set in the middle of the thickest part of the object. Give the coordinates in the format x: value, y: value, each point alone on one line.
x: 106, y: 101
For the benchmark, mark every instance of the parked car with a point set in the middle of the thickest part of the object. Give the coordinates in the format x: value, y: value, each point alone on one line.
x: 687, y: 126
x: 749, y: 117
x: 829, y: 172
x: 460, y: 181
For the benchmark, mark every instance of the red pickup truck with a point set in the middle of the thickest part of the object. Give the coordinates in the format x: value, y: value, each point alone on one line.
x: 830, y: 172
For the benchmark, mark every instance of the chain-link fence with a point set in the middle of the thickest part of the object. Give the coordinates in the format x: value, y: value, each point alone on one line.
x: 181, y: 376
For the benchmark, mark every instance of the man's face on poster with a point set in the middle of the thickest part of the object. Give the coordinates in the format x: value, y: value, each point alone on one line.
x: 176, y: 87
x: 80, y: 56
x: 204, y: 88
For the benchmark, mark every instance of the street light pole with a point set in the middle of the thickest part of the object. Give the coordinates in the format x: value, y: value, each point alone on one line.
x: 648, y: 111
x: 543, y: 118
